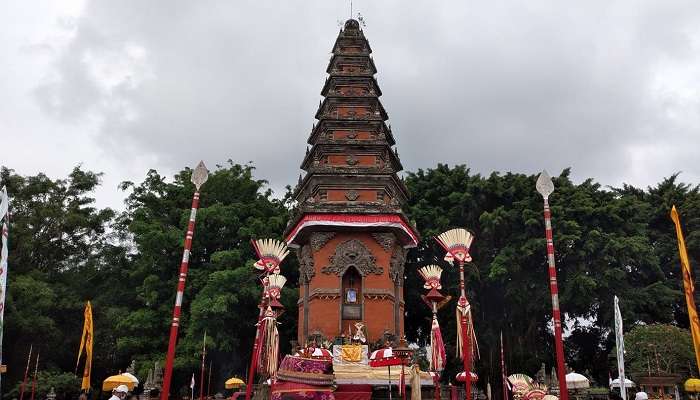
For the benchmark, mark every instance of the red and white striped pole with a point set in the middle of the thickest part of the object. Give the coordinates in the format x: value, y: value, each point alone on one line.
x: 199, y: 176
x: 545, y: 187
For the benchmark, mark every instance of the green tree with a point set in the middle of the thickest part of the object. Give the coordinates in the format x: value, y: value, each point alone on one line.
x: 603, y: 247
x: 57, y: 247
x: 659, y: 348
x: 222, y: 289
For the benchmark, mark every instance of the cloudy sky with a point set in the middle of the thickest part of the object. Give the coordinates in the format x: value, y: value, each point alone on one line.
x: 610, y: 88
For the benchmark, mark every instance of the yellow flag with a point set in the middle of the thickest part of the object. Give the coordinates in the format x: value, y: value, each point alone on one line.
x: 86, y: 343
x: 688, y: 285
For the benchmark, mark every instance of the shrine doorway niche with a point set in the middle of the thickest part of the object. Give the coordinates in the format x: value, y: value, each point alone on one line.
x: 351, y: 292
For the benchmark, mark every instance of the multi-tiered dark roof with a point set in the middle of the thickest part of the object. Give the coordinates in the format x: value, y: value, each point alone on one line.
x: 351, y: 166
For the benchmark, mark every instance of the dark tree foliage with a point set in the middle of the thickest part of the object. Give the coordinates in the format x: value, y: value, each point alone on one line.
x: 659, y: 349
x: 64, y: 251
x: 60, y: 254
x: 608, y: 242
x: 222, y: 290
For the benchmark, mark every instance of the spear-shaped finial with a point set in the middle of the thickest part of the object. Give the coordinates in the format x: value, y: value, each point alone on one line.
x: 200, y: 175
x: 544, y: 184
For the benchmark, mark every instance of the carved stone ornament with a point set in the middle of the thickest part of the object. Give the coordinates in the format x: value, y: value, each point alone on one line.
x: 352, y: 195
x: 352, y: 253
x: 319, y: 239
x: 306, y: 263
x: 385, y: 239
x: 397, y: 264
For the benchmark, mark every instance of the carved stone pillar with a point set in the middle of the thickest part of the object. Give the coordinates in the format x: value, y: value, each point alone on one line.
x: 396, y: 270
x: 306, y: 273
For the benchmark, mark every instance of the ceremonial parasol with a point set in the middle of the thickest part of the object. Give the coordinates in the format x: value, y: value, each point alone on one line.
x: 132, y: 377
x: 577, y: 381
x: 233, y: 383
x: 385, y: 358
x: 116, y: 380
x: 692, y: 385
x: 615, y: 383
x: 461, y: 377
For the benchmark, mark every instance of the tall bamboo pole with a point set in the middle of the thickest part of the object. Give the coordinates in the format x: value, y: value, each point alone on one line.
x: 26, y: 373
x: 545, y: 187
x: 201, y: 374
x: 209, y: 380
x: 504, y: 378
x: 199, y: 176
x: 36, y: 369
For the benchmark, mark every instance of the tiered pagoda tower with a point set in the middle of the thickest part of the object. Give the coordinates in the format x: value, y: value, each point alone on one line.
x: 350, y: 233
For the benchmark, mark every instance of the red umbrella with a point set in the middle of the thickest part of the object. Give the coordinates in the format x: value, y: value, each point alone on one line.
x: 385, y: 358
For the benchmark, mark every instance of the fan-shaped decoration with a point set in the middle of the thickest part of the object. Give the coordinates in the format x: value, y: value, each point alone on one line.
x: 273, y: 289
x: 273, y: 286
x: 535, y: 394
x: 521, y: 384
x: 456, y: 242
x: 550, y: 397
x: 271, y: 253
x: 431, y: 274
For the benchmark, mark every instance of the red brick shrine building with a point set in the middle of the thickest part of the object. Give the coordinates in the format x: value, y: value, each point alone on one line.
x: 349, y: 231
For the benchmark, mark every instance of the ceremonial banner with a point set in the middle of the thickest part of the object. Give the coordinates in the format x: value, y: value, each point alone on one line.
x: 689, y: 286
x: 4, y: 206
x: 86, y: 343
x: 620, y: 344
x: 4, y: 203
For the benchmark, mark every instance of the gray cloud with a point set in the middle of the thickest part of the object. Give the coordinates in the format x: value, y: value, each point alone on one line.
x: 610, y: 89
